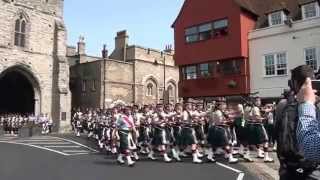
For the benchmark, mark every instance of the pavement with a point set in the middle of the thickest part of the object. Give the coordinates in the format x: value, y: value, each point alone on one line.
x: 65, y: 157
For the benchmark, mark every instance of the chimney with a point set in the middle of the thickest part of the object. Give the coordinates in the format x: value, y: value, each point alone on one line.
x: 104, y: 52
x: 168, y: 49
x: 121, y: 40
x: 81, y: 46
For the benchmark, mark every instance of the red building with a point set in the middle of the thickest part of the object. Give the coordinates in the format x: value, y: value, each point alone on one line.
x: 211, y: 47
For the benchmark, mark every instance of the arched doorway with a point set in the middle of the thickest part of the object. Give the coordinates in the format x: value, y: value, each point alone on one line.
x: 19, y: 91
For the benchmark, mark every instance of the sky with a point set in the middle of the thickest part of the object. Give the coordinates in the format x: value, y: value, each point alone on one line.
x: 148, y: 22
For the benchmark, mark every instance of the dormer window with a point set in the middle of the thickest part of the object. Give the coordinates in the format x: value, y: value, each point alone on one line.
x: 310, y: 10
x: 276, y: 18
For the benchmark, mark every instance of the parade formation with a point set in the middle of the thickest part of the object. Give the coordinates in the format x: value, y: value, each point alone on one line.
x: 12, y: 123
x: 175, y: 131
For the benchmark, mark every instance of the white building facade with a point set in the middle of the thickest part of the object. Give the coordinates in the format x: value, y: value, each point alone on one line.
x: 282, y: 46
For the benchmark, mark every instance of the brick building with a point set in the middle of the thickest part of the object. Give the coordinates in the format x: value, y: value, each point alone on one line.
x: 131, y: 74
x: 34, y: 72
x: 214, y: 42
x: 211, y: 48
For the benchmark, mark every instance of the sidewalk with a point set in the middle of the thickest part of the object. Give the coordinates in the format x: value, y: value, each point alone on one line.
x: 265, y: 171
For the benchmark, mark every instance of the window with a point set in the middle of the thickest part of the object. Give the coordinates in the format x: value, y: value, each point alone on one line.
x: 191, y: 72
x: 281, y: 64
x: 269, y: 65
x: 220, y: 24
x: 276, y: 64
x: 230, y: 67
x: 20, y: 32
x: 310, y: 10
x: 205, y: 31
x: 205, y: 70
x: 150, y: 89
x: 171, y: 92
x: 192, y: 34
x: 276, y: 18
x: 94, y: 85
x: 84, y: 85
x: 311, y: 57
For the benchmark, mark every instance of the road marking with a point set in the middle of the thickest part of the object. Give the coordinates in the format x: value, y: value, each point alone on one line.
x: 240, y: 176
x: 240, y: 173
x: 39, y: 140
x: 75, y: 154
x: 39, y: 147
x: 75, y: 151
x: 50, y: 143
x: 94, y: 150
x: 62, y: 146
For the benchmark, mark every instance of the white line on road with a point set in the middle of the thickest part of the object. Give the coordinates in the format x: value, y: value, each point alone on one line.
x: 62, y: 146
x: 75, y: 154
x: 75, y: 151
x: 39, y: 147
x: 78, y: 144
x: 39, y: 140
x: 240, y: 173
x: 50, y: 143
x: 240, y: 176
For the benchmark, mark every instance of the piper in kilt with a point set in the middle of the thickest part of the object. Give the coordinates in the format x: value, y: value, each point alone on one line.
x: 171, y: 127
x: 188, y: 133
x: 257, y: 132
x: 125, y: 127
x: 160, y: 138
x: 145, y: 131
x: 219, y: 134
x: 240, y: 125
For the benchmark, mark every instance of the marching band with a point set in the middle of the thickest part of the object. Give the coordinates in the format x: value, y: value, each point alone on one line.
x: 12, y: 123
x: 171, y: 130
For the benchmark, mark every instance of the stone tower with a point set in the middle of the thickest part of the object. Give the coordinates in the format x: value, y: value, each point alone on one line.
x: 34, y: 73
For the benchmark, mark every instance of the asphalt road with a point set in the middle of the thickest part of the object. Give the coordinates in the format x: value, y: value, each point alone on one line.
x: 25, y: 162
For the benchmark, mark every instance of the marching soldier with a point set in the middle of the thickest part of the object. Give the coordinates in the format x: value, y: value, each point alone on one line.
x: 160, y: 137
x: 219, y: 134
x: 125, y: 127
x: 258, y: 135
x: 188, y: 134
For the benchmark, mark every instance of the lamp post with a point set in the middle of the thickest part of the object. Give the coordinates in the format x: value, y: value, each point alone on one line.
x: 164, y: 78
x: 104, y: 56
x: 164, y: 74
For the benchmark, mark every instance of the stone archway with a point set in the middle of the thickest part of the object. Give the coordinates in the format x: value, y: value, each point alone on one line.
x: 19, y: 92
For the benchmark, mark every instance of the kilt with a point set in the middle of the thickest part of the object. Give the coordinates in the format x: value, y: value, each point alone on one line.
x: 188, y: 136
x: 200, y: 132
x: 241, y: 131
x: 177, y: 135
x: 219, y: 136
x: 257, y: 134
x: 160, y: 137
x: 126, y: 141
x: 145, y: 134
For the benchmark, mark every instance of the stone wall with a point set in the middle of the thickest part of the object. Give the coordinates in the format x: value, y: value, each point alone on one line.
x: 145, y: 72
x: 119, y: 81
x: 85, y: 75
x: 43, y: 56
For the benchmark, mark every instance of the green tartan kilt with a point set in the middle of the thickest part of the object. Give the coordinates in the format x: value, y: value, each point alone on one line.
x: 200, y: 132
x: 188, y: 136
x: 241, y: 131
x: 257, y: 134
x: 219, y: 136
x: 124, y: 140
x: 160, y: 137
x: 177, y: 135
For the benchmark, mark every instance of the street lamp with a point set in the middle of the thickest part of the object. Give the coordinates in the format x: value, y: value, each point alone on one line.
x: 164, y: 75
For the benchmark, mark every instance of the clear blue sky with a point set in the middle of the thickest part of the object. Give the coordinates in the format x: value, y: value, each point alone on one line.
x: 148, y: 22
